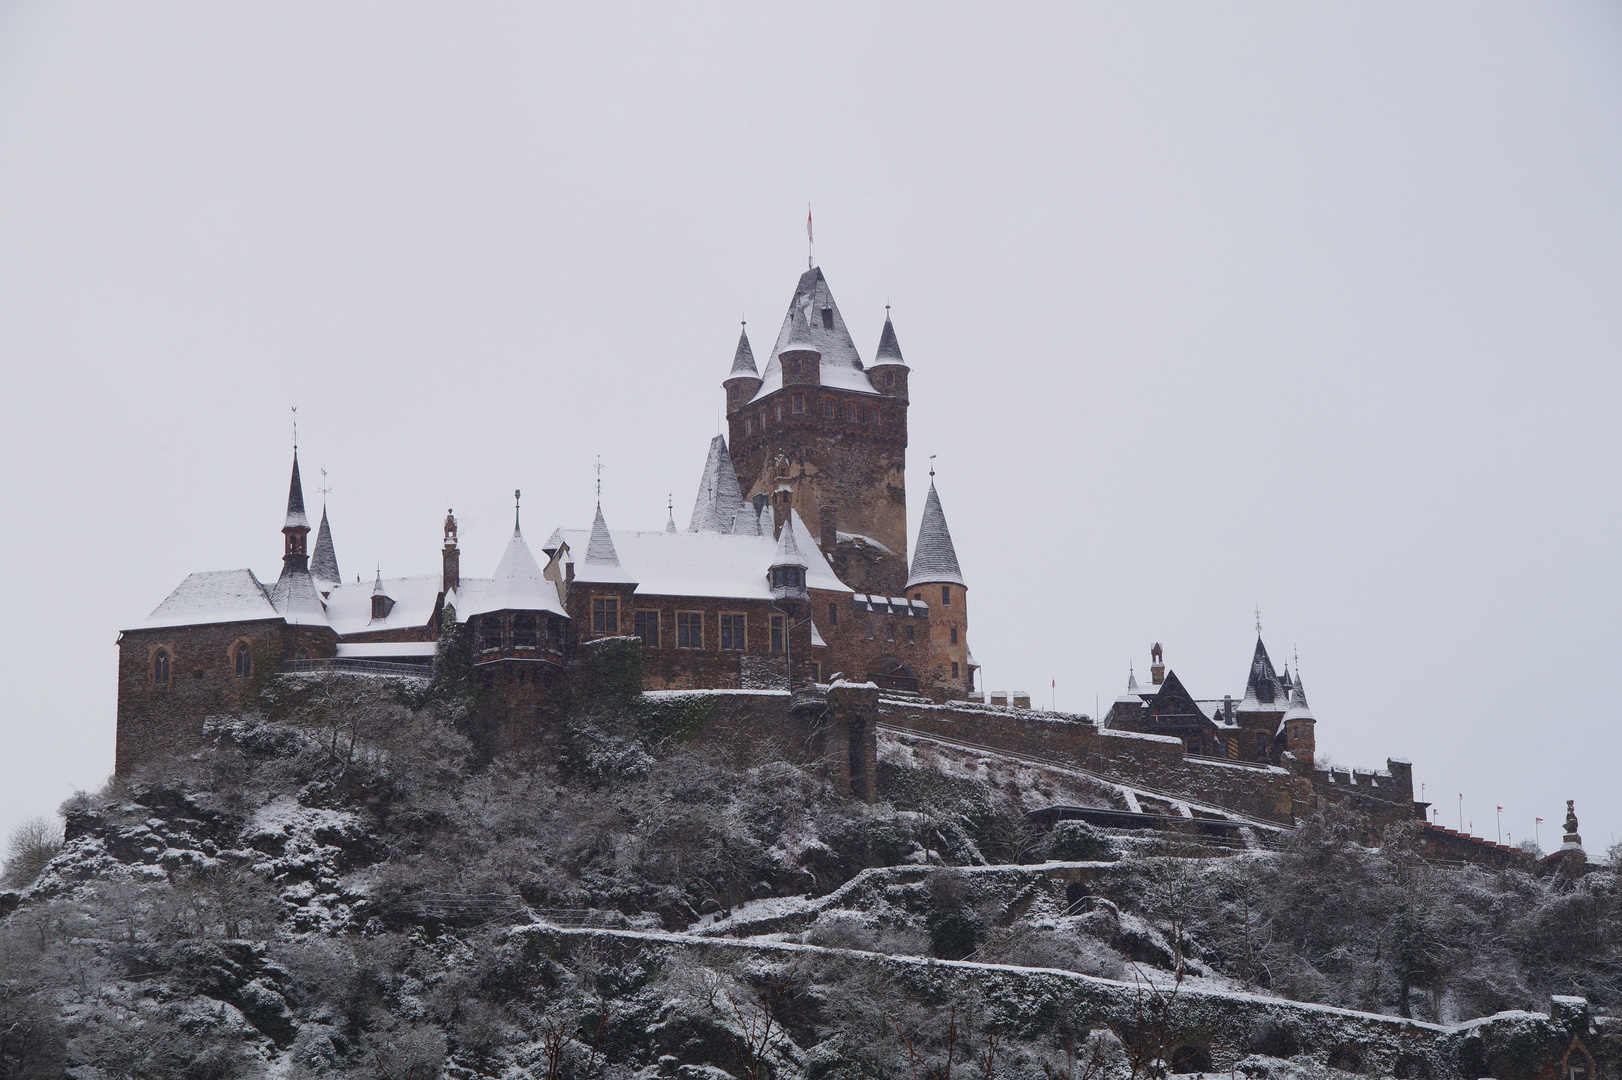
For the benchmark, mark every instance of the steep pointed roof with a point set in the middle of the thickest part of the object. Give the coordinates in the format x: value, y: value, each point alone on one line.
x: 1263, y: 691
x: 296, y: 598
x: 719, y: 496
x: 1174, y: 700
x: 934, y: 559
x: 670, y: 520
x: 324, y: 560
x: 377, y: 584
x: 600, y: 548
x: 295, y: 500
x: 788, y: 549
x: 743, y: 361
x: 517, y: 585
x: 1298, y: 710
x: 842, y: 367
x: 889, y: 349
x: 799, y: 334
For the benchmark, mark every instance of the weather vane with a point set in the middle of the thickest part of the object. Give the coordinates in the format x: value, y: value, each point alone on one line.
x: 931, y: 456
x: 295, y: 429
x: 324, y: 488
x: 1258, y: 620
x: 599, y: 481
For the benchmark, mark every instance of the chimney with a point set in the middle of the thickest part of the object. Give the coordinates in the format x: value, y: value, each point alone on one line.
x: 1157, y: 669
x: 452, y: 557
x: 830, y: 528
x: 1227, y: 707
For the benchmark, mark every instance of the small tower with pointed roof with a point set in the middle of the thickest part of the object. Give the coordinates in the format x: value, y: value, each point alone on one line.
x: 324, y: 560
x: 743, y: 380
x: 937, y: 580
x: 888, y: 371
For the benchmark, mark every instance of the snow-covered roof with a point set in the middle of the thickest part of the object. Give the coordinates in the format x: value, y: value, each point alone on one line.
x: 323, y: 559
x: 743, y: 361
x: 889, y: 351
x: 517, y: 585
x: 934, y: 560
x: 719, y: 498
x: 349, y: 607
x: 214, y: 596
x: 295, y: 501
x: 296, y: 598
x: 719, y: 565
x: 788, y: 549
x: 382, y: 650
x: 841, y: 365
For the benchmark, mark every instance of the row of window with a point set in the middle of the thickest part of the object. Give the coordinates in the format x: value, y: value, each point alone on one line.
x: 649, y: 626
x: 524, y: 630
x: 241, y: 662
x: 832, y: 409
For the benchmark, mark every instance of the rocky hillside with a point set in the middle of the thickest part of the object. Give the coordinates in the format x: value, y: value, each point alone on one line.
x: 348, y: 886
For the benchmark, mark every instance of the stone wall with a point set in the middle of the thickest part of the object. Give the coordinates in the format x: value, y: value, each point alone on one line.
x: 157, y: 721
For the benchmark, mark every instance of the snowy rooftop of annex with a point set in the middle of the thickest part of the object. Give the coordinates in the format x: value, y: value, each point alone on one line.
x: 213, y: 596
x: 728, y: 566
x: 349, y: 606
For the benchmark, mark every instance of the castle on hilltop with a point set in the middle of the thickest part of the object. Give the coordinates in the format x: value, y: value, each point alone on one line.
x: 792, y: 568
x: 793, y: 573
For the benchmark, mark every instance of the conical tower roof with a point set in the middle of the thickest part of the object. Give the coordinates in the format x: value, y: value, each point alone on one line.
x: 828, y: 334
x: 295, y: 500
x: 934, y: 559
x: 518, y: 584
x: 324, y: 560
x: 889, y: 349
x: 600, y: 548
x: 799, y: 335
x: 743, y: 361
x: 719, y: 496
x: 1262, y: 689
x: 788, y: 549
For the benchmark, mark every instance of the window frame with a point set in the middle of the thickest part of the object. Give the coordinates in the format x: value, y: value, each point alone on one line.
x: 954, y: 635
x: 797, y: 404
x: 601, y: 608
x: 738, y: 632
x: 242, y: 660
x: 685, y: 631
x: 946, y: 596
x: 639, y: 621
x: 779, y: 631
x: 833, y: 614
x: 162, y: 666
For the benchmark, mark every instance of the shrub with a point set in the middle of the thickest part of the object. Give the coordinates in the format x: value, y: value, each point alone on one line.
x: 32, y: 844
x: 1077, y: 841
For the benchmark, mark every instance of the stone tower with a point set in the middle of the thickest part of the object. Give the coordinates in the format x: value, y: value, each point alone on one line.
x: 937, y: 580
x: 834, y: 430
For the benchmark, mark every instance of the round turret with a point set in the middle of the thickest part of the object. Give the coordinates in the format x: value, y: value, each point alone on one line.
x: 889, y: 371
x: 800, y: 359
x: 743, y: 381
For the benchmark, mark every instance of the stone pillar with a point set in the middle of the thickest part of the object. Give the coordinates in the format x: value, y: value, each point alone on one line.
x: 853, y: 711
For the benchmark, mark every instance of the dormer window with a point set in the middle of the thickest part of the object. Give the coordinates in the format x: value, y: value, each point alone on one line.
x: 788, y: 577
x: 827, y: 318
x: 381, y: 606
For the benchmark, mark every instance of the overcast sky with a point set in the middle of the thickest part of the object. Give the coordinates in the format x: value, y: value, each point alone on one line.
x: 1209, y: 307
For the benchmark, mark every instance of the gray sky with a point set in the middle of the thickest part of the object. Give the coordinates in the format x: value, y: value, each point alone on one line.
x: 1311, y: 307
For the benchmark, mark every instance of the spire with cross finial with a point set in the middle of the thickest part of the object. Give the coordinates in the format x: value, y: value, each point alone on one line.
x: 599, y: 481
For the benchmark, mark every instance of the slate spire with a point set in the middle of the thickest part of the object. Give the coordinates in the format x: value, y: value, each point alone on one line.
x: 889, y: 349
x: 719, y: 496
x: 934, y: 559
x: 600, y: 548
x: 296, y: 528
x: 743, y: 361
x: 324, y: 560
x: 1263, y: 683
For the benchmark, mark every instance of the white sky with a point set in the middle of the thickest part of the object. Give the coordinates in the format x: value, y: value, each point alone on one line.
x: 1311, y: 307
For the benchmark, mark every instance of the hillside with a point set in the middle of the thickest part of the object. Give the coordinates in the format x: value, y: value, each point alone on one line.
x: 353, y: 884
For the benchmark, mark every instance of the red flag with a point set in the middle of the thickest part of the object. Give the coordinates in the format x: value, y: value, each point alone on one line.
x: 1538, y: 820
x: 808, y: 235
x: 1500, y: 808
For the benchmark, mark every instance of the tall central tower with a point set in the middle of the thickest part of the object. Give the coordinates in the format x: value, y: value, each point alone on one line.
x: 829, y: 434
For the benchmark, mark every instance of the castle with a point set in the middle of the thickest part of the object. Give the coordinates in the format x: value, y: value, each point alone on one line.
x: 793, y: 572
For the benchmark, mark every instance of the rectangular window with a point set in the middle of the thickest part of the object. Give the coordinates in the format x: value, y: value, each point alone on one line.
x: 689, y: 630
x: 748, y: 425
x: 777, y: 633
x: 954, y: 669
x: 946, y: 596
x: 889, y: 379
x: 850, y: 410
x: 732, y: 633
x: 779, y: 412
x: 872, y: 416
x: 816, y: 672
x: 954, y: 635
x: 833, y: 614
x: 917, y: 596
x: 889, y: 631
x: 647, y: 628
x: 827, y: 318
x: 828, y: 408
x: 799, y: 403
x: 912, y: 638
x: 605, y: 615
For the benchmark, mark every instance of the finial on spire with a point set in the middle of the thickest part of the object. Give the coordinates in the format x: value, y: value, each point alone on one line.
x: 932, y: 470
x: 295, y: 429
x: 1258, y: 620
x: 810, y: 241
x: 325, y: 489
x: 599, y: 481
x: 517, y: 494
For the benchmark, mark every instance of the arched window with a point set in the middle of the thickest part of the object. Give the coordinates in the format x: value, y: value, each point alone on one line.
x: 244, y: 660
x: 160, y: 667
